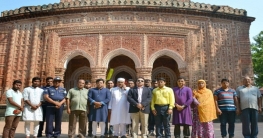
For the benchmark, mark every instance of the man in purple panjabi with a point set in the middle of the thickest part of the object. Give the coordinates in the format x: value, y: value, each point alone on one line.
x: 182, y: 112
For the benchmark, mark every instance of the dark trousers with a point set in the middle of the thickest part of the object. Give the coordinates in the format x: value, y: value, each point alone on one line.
x: 82, y: 123
x: 89, y: 126
x: 11, y: 123
x: 227, y: 117
x: 51, y: 114
x: 177, y: 130
x: 249, y: 119
x: 151, y: 122
x: 162, y: 118
x: 41, y: 123
x: 108, y: 129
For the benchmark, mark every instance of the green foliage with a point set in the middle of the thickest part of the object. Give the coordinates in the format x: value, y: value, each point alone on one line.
x: 257, y: 58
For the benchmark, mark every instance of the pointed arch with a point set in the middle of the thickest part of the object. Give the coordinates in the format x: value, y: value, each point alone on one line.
x: 121, y: 51
x: 78, y: 52
x: 172, y: 54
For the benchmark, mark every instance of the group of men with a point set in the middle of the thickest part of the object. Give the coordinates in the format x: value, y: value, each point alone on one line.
x: 141, y: 105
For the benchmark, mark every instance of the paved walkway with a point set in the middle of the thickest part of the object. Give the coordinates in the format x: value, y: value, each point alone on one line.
x: 20, y: 130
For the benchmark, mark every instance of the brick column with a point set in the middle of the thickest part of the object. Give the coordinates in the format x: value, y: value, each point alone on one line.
x: 145, y: 72
x: 97, y: 73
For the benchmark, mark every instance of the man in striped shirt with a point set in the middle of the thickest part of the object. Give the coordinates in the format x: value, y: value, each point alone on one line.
x: 226, y: 103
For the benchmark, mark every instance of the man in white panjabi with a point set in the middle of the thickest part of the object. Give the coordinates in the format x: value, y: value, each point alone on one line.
x: 119, y: 108
x: 33, y: 96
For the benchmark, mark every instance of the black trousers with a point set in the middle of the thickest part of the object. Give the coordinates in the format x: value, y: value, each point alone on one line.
x: 162, y: 118
x: 177, y: 130
x: 41, y: 123
x: 108, y: 130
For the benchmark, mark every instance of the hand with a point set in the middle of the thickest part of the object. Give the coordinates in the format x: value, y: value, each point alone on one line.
x: 154, y: 112
x: 68, y: 111
x: 33, y: 107
x: 259, y: 110
x: 57, y: 107
x: 139, y: 106
x: 238, y: 112
x: 218, y: 111
x: 97, y: 103
x: 179, y: 107
x: 170, y: 111
x: 57, y: 104
x: 17, y: 111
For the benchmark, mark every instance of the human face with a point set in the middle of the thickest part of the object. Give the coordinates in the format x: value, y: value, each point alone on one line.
x: 120, y: 84
x: 131, y: 84
x: 140, y: 82
x: 36, y: 83
x: 100, y: 84
x: 88, y: 85
x: 81, y: 84
x: 147, y: 84
x: 225, y: 84
x: 180, y: 83
x: 247, y: 81
x: 161, y: 83
x: 110, y: 84
x: 49, y: 82
x: 201, y: 84
x: 155, y: 84
x: 16, y: 86
x: 56, y: 84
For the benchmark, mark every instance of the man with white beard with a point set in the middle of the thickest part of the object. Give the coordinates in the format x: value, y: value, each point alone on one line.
x: 119, y: 106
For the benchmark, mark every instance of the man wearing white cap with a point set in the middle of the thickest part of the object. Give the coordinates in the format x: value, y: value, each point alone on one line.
x: 119, y: 107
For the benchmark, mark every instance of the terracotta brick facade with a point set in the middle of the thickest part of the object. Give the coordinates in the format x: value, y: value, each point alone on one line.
x: 145, y: 42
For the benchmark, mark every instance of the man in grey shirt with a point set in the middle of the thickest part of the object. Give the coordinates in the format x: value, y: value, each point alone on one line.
x: 249, y: 98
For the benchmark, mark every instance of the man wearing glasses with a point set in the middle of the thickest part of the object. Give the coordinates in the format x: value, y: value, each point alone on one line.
x: 139, y: 98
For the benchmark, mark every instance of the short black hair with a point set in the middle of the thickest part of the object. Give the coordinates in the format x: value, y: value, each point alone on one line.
x: 109, y: 81
x: 36, y: 78
x: 98, y: 80
x: 48, y: 78
x: 159, y: 79
x: 224, y: 80
x: 131, y: 80
x: 180, y: 78
x: 147, y: 80
x: 87, y: 81
x: 17, y: 81
x: 154, y: 80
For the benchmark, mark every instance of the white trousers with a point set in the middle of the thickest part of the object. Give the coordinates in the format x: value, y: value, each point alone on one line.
x: 27, y: 127
x: 94, y: 128
x: 119, y: 130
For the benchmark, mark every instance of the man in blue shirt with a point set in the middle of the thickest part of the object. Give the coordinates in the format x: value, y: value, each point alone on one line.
x: 49, y: 83
x: 226, y: 103
x: 55, y: 97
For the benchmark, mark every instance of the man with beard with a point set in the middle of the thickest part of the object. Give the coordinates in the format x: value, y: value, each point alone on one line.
x: 119, y: 109
x: 109, y: 129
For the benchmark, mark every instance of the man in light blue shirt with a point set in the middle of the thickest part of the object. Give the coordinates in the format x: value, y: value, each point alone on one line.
x: 249, y: 98
x: 14, y: 108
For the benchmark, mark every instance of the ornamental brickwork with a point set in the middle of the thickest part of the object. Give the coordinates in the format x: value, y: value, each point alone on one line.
x: 170, y: 41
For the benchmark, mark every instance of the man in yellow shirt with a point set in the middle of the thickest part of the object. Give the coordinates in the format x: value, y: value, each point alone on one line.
x: 162, y: 105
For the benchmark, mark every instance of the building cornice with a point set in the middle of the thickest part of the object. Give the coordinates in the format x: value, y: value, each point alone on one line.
x: 170, y: 6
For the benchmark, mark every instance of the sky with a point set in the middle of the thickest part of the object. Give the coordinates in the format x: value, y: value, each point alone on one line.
x: 251, y: 6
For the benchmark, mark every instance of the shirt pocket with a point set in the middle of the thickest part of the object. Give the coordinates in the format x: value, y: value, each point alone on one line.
x: 165, y: 94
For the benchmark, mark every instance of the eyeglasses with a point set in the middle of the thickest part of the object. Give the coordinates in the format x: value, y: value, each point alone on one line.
x: 140, y: 81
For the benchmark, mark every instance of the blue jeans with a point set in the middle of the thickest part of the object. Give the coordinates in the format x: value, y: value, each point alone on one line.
x: 227, y: 117
x: 249, y: 118
x: 162, y: 118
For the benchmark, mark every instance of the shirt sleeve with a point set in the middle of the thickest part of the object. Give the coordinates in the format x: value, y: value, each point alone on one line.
x: 216, y: 92
x: 238, y: 92
x: 25, y: 94
x: 171, y: 99
x: 9, y: 94
x: 153, y: 100
x: 68, y: 94
x: 234, y: 93
x: 258, y: 92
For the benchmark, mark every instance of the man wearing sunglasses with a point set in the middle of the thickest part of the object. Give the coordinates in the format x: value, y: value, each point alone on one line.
x: 139, y: 98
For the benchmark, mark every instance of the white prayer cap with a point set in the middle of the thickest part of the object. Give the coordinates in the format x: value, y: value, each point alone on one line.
x: 121, y: 79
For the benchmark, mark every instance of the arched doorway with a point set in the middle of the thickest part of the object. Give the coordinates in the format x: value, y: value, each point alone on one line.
x: 166, y: 67
x: 77, y: 68
x: 122, y: 66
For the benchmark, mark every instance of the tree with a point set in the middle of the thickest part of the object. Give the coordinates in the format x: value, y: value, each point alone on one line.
x: 257, y: 58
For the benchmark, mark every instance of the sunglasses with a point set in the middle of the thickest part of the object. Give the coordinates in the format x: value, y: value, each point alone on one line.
x: 140, y: 81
